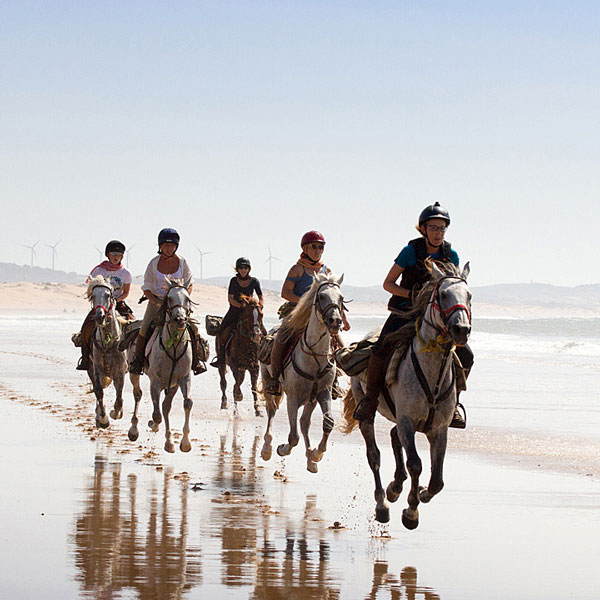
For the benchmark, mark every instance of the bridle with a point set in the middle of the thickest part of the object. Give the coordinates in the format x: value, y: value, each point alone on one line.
x: 170, y: 308
x: 435, y: 305
x: 101, y: 306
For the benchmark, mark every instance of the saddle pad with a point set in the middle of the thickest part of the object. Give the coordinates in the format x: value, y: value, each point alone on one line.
x: 150, y: 343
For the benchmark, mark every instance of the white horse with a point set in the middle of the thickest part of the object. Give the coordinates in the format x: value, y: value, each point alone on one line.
x: 108, y: 363
x: 309, y: 375
x: 422, y: 395
x: 170, y: 361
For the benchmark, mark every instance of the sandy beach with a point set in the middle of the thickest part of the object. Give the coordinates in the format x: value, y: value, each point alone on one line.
x: 519, y: 516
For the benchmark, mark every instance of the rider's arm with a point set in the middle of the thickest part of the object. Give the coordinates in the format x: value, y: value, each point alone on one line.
x: 287, y: 291
x: 390, y: 285
x: 124, y: 292
x: 233, y: 301
x: 153, y: 299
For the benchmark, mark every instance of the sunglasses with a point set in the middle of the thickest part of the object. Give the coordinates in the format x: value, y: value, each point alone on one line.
x: 317, y: 246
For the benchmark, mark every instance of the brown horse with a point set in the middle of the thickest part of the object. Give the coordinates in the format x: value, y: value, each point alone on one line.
x: 241, y: 353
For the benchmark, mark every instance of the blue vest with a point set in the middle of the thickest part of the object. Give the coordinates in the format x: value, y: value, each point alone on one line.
x: 302, y: 284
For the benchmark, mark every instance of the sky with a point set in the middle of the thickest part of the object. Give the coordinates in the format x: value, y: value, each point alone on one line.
x: 245, y: 124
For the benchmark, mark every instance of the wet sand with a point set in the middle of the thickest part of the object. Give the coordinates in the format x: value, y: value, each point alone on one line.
x: 89, y: 514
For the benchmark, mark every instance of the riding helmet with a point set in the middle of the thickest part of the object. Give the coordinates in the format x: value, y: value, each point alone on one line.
x: 114, y: 246
x: 434, y: 211
x: 168, y: 235
x: 242, y: 262
x: 312, y: 236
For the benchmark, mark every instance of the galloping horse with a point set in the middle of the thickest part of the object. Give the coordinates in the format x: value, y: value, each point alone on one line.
x: 241, y: 354
x: 309, y: 375
x: 170, y: 361
x: 422, y: 395
x: 108, y: 362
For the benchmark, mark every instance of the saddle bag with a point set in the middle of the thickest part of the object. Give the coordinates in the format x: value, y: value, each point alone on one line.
x: 203, y: 348
x: 212, y: 323
x: 266, y: 345
x: 353, y: 359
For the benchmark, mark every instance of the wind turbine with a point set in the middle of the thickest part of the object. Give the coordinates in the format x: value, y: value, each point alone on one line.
x: 32, y: 248
x: 53, y: 251
x: 201, y: 257
x: 270, y: 261
x: 128, y: 251
x: 100, y: 253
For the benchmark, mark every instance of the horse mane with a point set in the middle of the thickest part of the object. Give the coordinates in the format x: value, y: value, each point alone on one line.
x: 249, y: 301
x: 95, y: 282
x: 297, y: 320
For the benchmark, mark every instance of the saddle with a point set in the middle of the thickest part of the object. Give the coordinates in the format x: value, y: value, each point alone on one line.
x: 130, y: 333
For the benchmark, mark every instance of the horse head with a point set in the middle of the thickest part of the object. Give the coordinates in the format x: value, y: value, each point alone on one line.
x: 451, y: 303
x: 178, y: 302
x: 99, y: 293
x: 328, y: 300
x: 251, y: 318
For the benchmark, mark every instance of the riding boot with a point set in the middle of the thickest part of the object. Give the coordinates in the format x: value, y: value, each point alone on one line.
x: 273, y: 386
x: 221, y: 344
x: 336, y: 388
x: 459, y: 419
x: 87, y: 331
x: 84, y: 362
x: 137, y: 364
x: 367, y: 407
x: 198, y: 366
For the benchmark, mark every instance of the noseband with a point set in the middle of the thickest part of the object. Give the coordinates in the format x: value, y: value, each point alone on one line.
x: 101, y: 306
x: 445, y: 313
x: 170, y: 308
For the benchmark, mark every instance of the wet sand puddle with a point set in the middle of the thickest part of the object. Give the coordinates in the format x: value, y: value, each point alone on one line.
x: 115, y: 519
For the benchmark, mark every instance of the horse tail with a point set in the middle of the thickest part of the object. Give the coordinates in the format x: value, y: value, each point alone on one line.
x: 348, y: 423
x: 272, y: 402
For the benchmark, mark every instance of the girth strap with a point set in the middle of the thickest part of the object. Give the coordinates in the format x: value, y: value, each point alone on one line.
x: 316, y: 377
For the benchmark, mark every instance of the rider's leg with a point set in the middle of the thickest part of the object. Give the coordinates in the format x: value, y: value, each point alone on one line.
x: 87, y: 330
x: 465, y: 355
x: 273, y: 386
x: 197, y: 365
x: 137, y: 364
x: 229, y: 320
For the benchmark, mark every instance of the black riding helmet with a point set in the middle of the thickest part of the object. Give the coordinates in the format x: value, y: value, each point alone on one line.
x: 114, y: 246
x: 434, y: 211
x: 168, y: 235
x: 242, y: 262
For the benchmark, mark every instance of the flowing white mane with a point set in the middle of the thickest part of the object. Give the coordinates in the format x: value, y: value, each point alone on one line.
x: 95, y: 282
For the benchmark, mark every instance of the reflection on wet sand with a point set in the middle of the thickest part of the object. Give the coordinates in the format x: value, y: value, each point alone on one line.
x: 134, y: 534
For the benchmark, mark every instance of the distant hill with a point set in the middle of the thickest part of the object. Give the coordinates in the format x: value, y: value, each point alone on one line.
x: 504, y: 294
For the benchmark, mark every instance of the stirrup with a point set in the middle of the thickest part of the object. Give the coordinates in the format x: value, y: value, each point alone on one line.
x: 273, y: 387
x: 81, y: 366
x: 459, y: 421
x: 199, y: 368
x: 216, y: 362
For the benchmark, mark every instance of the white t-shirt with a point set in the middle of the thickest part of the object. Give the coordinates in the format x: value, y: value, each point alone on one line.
x: 117, y: 278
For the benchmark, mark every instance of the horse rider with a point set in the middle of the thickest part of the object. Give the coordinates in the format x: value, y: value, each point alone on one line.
x: 120, y: 279
x: 297, y: 282
x: 410, y: 265
x: 240, y: 285
x: 168, y: 264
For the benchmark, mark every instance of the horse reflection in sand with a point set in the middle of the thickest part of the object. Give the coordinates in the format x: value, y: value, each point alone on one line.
x: 309, y: 375
x: 108, y: 363
x: 422, y: 395
x: 241, y: 353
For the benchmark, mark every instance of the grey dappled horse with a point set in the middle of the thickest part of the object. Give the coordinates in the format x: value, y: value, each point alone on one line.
x: 107, y: 361
x: 170, y: 362
x: 241, y: 354
x: 423, y: 393
x: 308, y: 377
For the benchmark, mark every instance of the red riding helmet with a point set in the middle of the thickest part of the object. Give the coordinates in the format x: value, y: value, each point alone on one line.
x: 312, y: 236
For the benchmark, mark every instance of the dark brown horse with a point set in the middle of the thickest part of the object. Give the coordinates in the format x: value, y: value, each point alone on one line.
x: 241, y: 353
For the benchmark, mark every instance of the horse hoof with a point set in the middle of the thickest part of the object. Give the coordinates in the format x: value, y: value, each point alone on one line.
x: 133, y: 434
x: 391, y: 494
x: 116, y: 414
x: 408, y: 521
x: 281, y: 450
x: 316, y: 455
x: 223, y: 404
x: 169, y: 447
x: 102, y: 424
x: 153, y: 426
x: 424, y: 495
x: 382, y: 515
x: 185, y: 447
x: 312, y: 467
x: 257, y: 413
x: 266, y: 453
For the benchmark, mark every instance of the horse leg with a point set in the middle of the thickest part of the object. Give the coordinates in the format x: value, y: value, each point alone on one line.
x: 253, y: 382
x: 119, y: 381
x: 307, y: 411
x: 185, y: 445
x: 293, y: 437
x: 328, y: 423
x: 410, y: 515
x: 437, y: 451
x: 133, y: 432
x: 155, y: 391
x: 166, y: 409
x: 267, y: 449
x: 222, y: 371
x: 238, y: 376
x: 101, y: 416
x: 394, y: 489
x: 382, y: 509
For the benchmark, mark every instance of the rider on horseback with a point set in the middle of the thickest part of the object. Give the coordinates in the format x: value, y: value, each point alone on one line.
x: 167, y: 265
x: 240, y: 285
x: 297, y: 282
x: 120, y: 279
x: 410, y: 264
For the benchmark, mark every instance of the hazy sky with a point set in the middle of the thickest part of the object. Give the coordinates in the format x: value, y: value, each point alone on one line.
x: 243, y: 124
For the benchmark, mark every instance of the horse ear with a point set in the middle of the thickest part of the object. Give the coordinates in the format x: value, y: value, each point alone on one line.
x: 466, y: 271
x: 340, y: 279
x: 436, y: 272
